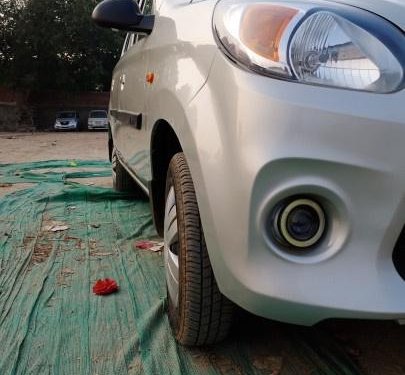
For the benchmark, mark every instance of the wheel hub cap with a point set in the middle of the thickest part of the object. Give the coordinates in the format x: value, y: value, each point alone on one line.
x: 171, y: 244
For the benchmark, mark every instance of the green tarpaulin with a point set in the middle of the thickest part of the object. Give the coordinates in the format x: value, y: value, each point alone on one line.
x: 52, y: 323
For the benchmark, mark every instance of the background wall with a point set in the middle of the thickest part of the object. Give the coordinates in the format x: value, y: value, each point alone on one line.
x: 30, y: 110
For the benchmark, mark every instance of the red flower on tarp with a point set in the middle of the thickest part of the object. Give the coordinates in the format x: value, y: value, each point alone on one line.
x: 105, y: 286
x: 144, y: 245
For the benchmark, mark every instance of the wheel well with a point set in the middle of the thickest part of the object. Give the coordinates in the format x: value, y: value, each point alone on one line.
x: 110, y: 143
x: 164, y: 144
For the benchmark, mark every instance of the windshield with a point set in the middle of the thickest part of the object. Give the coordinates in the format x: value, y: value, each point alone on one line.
x: 67, y: 115
x: 98, y: 114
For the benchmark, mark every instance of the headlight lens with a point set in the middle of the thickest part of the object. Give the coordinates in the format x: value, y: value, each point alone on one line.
x: 313, y: 43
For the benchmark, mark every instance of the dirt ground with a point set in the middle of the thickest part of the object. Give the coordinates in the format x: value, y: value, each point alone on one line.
x: 23, y: 147
x: 378, y: 348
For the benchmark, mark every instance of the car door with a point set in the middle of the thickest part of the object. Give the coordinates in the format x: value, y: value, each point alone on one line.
x: 131, y: 133
x: 114, y: 118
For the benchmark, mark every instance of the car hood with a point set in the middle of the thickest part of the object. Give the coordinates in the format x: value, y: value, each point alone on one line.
x: 392, y: 10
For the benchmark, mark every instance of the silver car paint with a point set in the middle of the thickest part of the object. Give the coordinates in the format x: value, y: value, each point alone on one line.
x: 251, y: 141
x: 392, y: 10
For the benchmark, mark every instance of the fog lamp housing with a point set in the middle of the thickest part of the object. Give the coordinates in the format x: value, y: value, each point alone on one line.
x: 299, y: 223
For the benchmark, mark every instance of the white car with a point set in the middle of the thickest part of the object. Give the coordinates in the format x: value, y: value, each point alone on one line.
x: 270, y: 138
x: 98, y: 119
x: 67, y: 120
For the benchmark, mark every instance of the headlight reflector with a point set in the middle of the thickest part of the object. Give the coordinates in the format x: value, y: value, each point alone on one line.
x: 337, y: 46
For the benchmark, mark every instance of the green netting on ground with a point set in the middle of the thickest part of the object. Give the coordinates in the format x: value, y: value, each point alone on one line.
x: 52, y: 323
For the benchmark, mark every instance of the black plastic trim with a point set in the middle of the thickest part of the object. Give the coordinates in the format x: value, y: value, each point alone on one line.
x: 122, y: 15
x: 398, y: 255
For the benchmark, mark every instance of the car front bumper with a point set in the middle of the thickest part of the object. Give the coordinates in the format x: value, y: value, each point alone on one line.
x: 65, y: 127
x: 272, y: 139
x: 97, y: 126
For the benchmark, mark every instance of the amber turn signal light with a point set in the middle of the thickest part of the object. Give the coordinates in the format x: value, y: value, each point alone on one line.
x: 262, y: 28
x: 150, y: 77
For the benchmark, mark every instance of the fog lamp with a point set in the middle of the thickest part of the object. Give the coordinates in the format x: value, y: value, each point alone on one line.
x: 299, y: 223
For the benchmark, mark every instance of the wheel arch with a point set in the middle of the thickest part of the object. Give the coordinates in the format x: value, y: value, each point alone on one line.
x: 110, y: 143
x: 164, y: 145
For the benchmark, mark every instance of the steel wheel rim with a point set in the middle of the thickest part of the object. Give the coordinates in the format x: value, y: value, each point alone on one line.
x: 171, y: 245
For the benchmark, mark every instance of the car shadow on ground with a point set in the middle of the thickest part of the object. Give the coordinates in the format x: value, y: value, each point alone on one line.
x: 331, y: 347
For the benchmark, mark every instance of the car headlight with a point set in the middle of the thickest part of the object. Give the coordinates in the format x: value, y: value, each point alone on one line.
x: 313, y: 42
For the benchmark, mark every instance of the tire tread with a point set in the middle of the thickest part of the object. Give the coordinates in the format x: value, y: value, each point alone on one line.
x: 204, y: 315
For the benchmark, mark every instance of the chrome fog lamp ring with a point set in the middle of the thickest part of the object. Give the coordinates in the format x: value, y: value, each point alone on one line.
x: 313, y: 212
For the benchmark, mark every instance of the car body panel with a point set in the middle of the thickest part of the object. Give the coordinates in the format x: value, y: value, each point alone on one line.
x: 251, y: 141
x: 285, y: 139
x: 180, y: 56
x: 131, y: 105
x: 392, y: 10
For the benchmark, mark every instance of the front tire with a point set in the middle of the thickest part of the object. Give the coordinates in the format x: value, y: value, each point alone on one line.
x: 199, y: 314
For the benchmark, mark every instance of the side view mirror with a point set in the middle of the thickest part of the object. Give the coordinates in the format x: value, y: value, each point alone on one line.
x: 122, y: 15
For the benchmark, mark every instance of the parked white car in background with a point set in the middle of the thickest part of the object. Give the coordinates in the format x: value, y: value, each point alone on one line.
x: 269, y: 136
x: 67, y: 120
x: 98, y: 119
